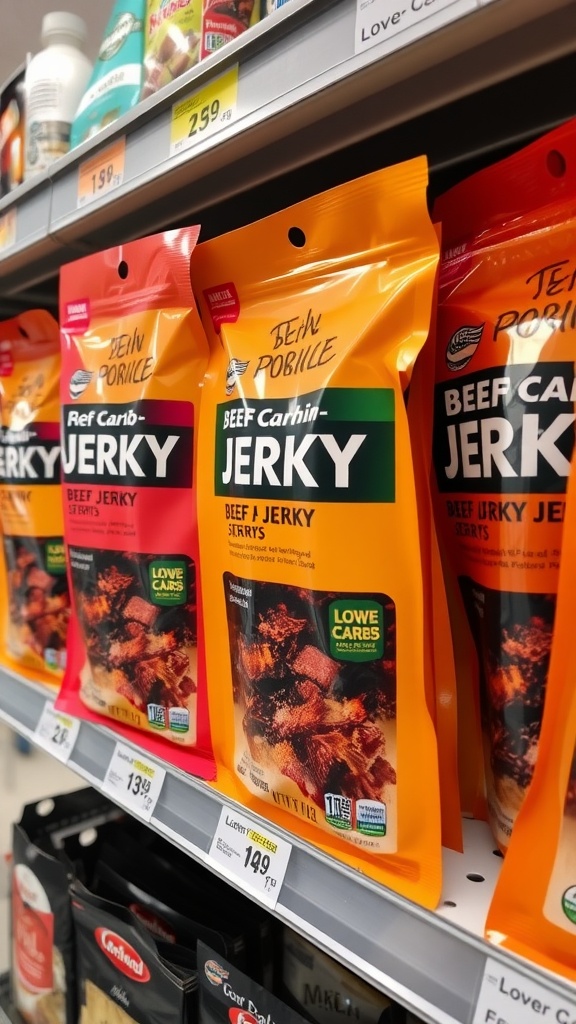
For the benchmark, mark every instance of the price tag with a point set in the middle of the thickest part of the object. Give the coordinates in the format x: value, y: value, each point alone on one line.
x: 205, y: 112
x: 7, y: 230
x: 134, y: 781
x: 102, y: 173
x: 508, y: 997
x: 57, y: 732
x: 248, y: 854
x: 383, y: 21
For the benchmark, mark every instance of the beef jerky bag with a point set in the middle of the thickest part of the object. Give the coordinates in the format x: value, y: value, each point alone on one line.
x: 308, y: 510
x: 172, y: 38
x: 504, y: 434
x: 533, y: 910
x: 134, y: 354
x: 124, y: 976
x: 35, y: 603
x: 42, y: 947
x: 225, y: 20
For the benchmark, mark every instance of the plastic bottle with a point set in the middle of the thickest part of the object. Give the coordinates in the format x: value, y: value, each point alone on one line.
x: 55, y: 82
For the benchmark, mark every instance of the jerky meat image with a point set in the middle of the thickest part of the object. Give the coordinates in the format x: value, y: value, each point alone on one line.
x: 39, y: 605
x: 513, y: 635
x: 141, y: 650
x: 317, y: 717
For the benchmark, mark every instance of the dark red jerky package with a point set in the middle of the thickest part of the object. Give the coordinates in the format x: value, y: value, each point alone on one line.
x: 225, y: 20
x: 123, y: 976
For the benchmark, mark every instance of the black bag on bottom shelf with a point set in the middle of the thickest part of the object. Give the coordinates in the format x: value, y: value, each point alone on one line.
x: 225, y: 906
x: 325, y: 992
x: 227, y: 996
x: 124, y: 976
x: 42, y: 957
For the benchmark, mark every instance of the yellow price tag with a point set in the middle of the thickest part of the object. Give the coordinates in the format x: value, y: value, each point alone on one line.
x: 101, y: 173
x: 205, y: 112
x: 7, y: 230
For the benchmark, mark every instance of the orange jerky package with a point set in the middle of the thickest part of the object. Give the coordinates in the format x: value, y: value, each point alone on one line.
x: 308, y: 514
x: 35, y: 603
x: 504, y: 434
x: 134, y: 356
x: 533, y: 910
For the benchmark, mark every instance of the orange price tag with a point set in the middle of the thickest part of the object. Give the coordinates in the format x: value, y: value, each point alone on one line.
x: 7, y: 230
x: 101, y: 173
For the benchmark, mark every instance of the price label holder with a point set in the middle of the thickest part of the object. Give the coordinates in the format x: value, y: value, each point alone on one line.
x: 384, y: 21
x: 509, y: 997
x: 205, y: 112
x: 57, y: 732
x: 101, y: 173
x: 250, y: 855
x: 7, y: 230
x: 134, y: 781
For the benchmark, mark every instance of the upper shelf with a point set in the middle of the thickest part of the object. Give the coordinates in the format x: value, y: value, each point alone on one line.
x: 434, y: 963
x: 303, y: 93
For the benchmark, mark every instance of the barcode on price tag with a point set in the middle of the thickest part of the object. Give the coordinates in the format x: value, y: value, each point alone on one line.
x: 57, y: 732
x: 249, y: 854
x: 205, y: 112
x: 101, y: 173
x: 508, y: 997
x: 134, y: 781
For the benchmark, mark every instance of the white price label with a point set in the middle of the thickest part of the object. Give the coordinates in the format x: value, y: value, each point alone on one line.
x: 134, y: 781
x: 508, y: 997
x: 57, y: 732
x: 382, y: 21
x: 248, y: 854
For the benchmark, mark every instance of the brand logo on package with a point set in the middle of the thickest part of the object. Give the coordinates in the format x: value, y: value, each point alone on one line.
x: 223, y: 303
x: 79, y: 381
x: 122, y: 955
x: 77, y: 315
x: 462, y: 347
x: 241, y: 1016
x: 234, y: 370
x: 215, y: 973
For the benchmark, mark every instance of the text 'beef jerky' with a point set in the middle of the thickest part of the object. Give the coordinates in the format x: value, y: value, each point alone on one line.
x: 308, y: 511
x: 134, y: 354
x: 504, y: 417
x: 35, y: 603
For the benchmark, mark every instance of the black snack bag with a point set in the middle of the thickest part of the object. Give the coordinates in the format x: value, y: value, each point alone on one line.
x: 227, y: 996
x: 324, y: 991
x: 123, y: 975
x: 42, y: 971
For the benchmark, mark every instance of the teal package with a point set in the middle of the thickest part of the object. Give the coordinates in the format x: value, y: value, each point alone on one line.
x: 116, y: 80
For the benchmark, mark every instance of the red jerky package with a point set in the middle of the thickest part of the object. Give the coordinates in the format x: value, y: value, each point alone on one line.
x: 504, y: 415
x: 224, y: 20
x: 133, y: 359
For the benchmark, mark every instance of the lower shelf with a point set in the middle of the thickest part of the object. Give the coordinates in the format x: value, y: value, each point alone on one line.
x: 433, y: 963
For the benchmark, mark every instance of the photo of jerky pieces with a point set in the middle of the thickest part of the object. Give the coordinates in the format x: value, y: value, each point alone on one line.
x: 137, y: 614
x: 316, y: 719
x: 513, y: 637
x: 38, y: 600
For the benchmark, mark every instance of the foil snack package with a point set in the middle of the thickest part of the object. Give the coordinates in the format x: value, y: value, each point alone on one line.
x: 134, y: 355
x: 225, y: 20
x: 308, y: 510
x: 171, y: 42
x: 34, y: 602
x: 504, y: 436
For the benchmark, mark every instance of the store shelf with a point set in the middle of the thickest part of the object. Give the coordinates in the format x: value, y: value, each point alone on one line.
x: 302, y: 93
x: 431, y: 962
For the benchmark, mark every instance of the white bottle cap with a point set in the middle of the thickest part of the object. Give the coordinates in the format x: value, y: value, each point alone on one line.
x: 62, y: 27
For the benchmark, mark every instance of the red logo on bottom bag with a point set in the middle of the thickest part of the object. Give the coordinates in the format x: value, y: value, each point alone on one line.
x: 33, y: 925
x: 122, y: 955
x: 241, y: 1016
